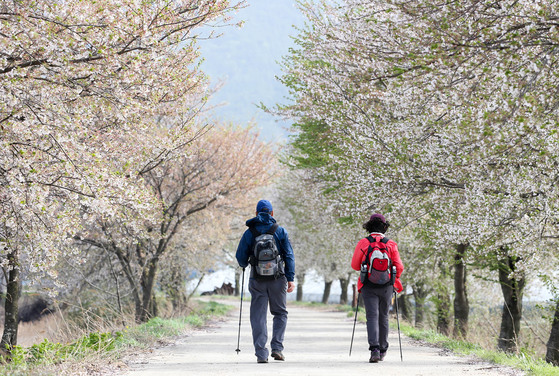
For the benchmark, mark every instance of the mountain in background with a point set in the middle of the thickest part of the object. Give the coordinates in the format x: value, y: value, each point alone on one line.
x: 246, y: 61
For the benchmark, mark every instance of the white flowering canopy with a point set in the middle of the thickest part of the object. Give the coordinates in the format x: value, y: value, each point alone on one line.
x: 438, y: 115
x: 86, y: 87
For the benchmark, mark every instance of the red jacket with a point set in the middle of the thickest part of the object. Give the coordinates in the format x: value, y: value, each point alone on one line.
x: 360, y: 254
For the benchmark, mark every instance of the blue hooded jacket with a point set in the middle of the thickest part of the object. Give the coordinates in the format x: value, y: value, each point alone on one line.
x: 262, y: 222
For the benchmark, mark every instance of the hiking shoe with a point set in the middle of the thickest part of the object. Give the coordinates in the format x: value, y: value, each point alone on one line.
x: 382, y: 355
x: 277, y: 355
x: 375, y: 356
x: 262, y: 360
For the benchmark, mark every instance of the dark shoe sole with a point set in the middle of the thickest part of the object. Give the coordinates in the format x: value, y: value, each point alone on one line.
x: 262, y: 360
x: 277, y: 356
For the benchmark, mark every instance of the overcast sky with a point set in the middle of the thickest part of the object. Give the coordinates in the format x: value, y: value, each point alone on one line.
x: 245, y: 59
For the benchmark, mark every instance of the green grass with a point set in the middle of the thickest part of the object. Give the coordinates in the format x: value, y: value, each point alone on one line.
x: 158, y: 328
x: 526, y: 362
x: 36, y: 359
x: 310, y: 304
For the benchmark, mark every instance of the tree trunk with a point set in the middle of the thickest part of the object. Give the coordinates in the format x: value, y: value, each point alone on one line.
x: 443, y: 313
x: 327, y: 288
x: 175, y: 288
x: 552, y: 354
x: 153, y: 307
x: 238, y: 273
x: 344, y: 283
x: 513, y: 289
x: 127, y: 269
x: 147, y: 283
x: 461, y: 304
x: 11, y: 305
x: 196, y: 288
x: 404, y: 307
x: 419, y: 294
x: 300, y: 283
x: 442, y: 303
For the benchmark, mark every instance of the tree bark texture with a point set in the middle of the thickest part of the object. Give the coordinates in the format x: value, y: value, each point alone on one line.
x: 404, y: 307
x: 326, y: 294
x: 442, y: 304
x: 344, y: 283
x: 147, y: 283
x: 443, y: 313
x: 300, y: 283
x: 461, y: 303
x: 513, y: 289
x: 419, y: 294
x: 11, y: 305
x: 552, y: 354
x: 153, y: 306
x: 127, y: 269
x: 175, y: 287
x: 238, y: 273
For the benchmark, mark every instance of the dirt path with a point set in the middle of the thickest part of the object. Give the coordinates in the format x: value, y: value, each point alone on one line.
x: 316, y: 343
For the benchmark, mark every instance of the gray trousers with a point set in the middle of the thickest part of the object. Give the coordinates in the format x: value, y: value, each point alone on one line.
x: 377, y: 302
x: 263, y: 292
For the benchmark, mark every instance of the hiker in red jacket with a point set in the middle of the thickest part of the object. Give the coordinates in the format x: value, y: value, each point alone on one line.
x: 379, y: 254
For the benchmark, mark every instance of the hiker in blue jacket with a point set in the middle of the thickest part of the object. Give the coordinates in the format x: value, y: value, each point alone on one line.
x: 269, y: 280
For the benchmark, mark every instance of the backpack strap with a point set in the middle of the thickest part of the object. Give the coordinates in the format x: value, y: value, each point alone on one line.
x: 272, y: 229
x: 254, y: 232
x: 372, y: 239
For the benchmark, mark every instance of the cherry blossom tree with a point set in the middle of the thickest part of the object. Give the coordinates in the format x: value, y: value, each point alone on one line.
x: 220, y: 167
x: 84, y: 85
x: 445, y: 111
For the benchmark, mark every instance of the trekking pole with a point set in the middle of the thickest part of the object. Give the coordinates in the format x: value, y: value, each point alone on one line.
x: 397, y: 318
x: 354, y: 321
x: 240, y: 313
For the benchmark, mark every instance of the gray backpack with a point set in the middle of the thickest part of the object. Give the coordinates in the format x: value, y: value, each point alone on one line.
x: 265, y: 257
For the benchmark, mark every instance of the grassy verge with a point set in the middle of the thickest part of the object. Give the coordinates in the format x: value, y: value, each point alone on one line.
x: 525, y: 362
x: 96, y: 349
x: 313, y: 305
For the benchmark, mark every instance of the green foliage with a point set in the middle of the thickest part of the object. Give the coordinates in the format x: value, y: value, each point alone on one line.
x: 313, y: 144
x: 214, y: 309
x: 46, y: 352
x: 346, y: 220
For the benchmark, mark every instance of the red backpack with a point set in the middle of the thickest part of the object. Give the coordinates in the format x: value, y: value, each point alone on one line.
x: 375, y: 269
